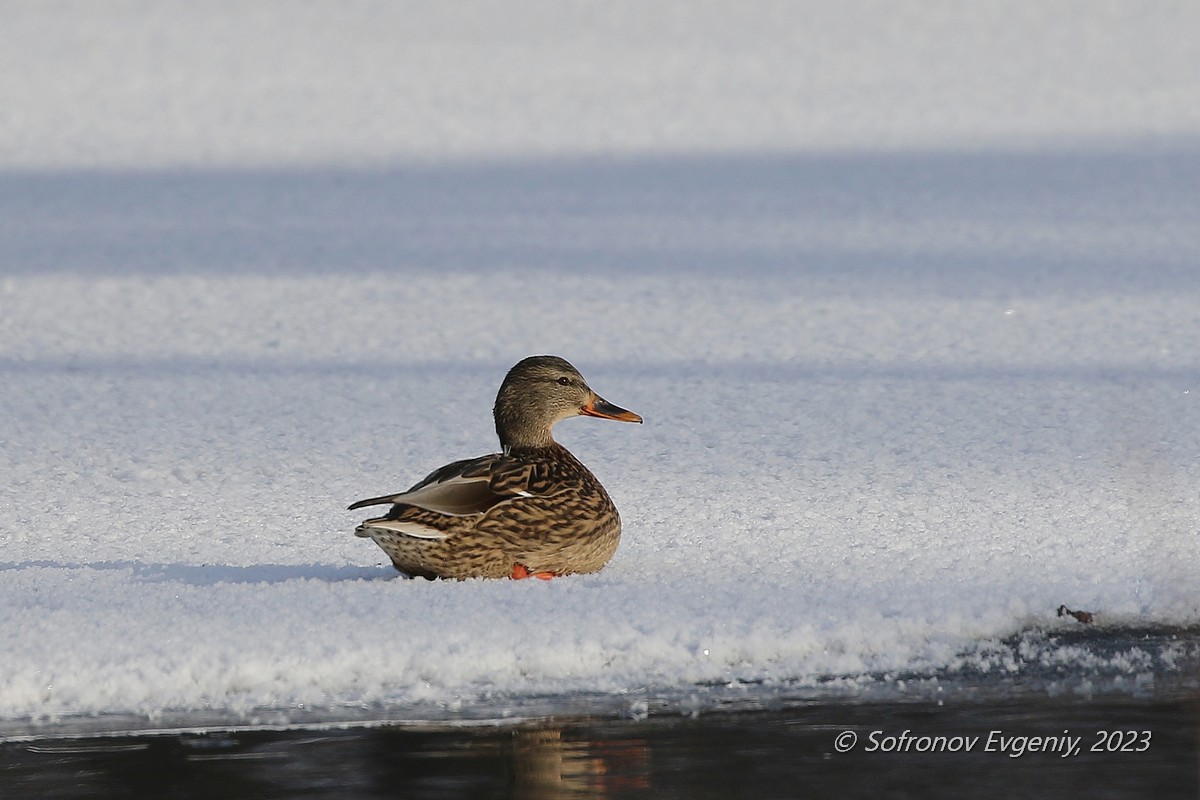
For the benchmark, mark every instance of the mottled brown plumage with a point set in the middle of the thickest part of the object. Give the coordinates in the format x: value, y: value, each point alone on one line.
x: 533, y: 509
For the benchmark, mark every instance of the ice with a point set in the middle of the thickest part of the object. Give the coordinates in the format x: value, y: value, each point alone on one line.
x: 906, y: 295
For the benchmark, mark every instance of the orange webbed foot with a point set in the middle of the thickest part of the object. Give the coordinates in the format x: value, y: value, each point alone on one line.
x: 520, y: 573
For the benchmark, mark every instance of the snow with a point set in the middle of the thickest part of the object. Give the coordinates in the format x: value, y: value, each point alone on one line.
x: 906, y: 293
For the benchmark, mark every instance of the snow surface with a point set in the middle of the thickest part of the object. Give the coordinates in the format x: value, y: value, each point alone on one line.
x: 907, y: 293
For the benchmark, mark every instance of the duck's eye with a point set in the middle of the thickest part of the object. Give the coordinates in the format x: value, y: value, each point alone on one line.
x: 564, y: 381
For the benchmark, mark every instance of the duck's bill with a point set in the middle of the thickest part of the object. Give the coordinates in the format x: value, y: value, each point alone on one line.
x: 599, y: 407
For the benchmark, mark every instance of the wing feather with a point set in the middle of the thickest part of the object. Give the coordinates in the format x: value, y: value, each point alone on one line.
x: 406, y: 527
x: 463, y: 488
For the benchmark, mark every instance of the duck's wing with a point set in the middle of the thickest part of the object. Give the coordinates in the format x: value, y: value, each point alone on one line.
x: 464, y: 488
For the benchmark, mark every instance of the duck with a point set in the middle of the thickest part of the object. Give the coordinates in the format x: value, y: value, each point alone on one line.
x: 531, y: 510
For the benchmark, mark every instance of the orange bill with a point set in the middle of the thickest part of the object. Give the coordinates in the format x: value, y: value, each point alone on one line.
x: 599, y: 407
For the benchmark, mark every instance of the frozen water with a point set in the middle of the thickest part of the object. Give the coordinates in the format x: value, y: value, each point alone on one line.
x: 913, y: 327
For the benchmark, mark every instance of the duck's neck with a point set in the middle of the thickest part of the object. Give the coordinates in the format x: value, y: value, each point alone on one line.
x: 526, y: 440
x: 554, y: 450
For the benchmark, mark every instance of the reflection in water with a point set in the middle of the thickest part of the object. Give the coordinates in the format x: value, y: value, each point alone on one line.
x: 546, y: 765
x: 536, y: 763
x: 719, y: 755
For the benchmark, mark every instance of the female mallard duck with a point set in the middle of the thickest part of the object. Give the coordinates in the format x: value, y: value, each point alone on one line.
x: 532, y: 509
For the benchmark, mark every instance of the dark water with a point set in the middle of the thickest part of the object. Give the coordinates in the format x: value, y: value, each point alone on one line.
x: 1127, y: 748
x: 1119, y: 719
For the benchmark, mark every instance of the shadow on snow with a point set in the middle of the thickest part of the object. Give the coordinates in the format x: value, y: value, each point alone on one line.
x: 211, y: 574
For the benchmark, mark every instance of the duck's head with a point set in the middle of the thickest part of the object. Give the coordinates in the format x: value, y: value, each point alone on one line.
x: 540, y: 391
